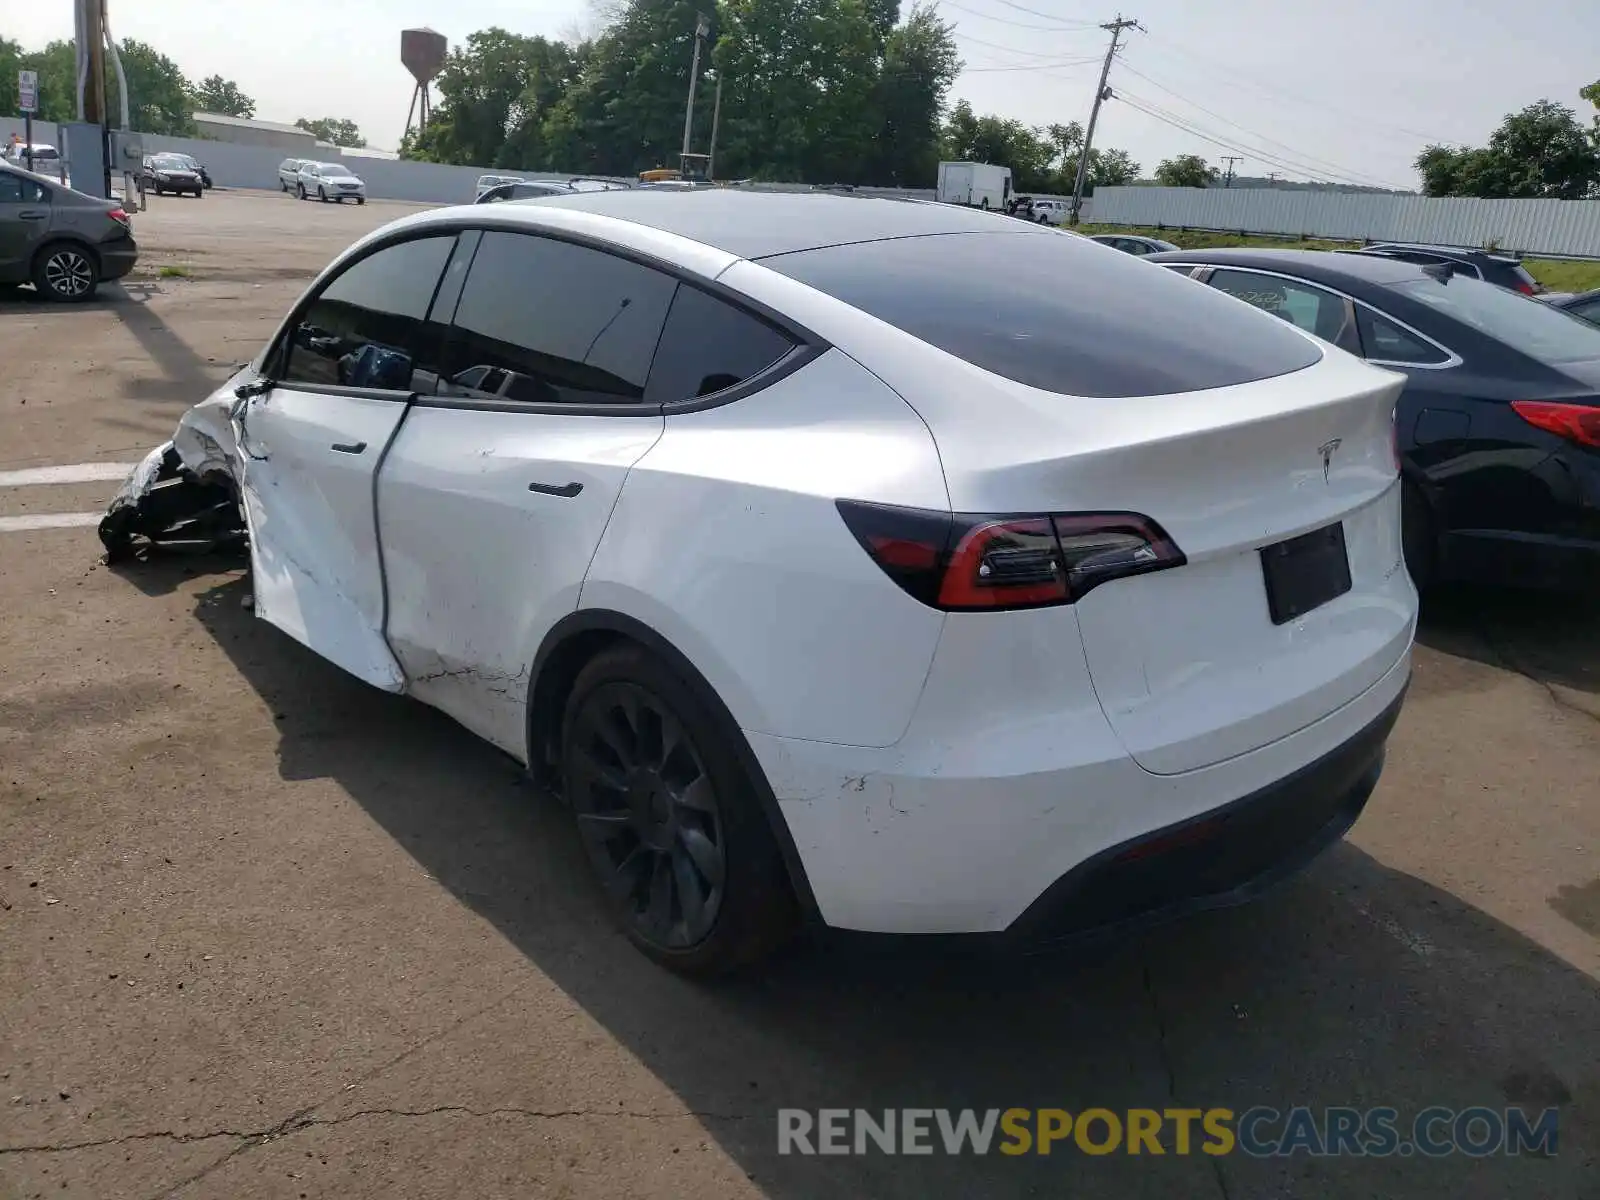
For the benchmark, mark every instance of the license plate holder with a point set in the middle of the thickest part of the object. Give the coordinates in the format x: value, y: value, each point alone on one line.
x: 1305, y: 572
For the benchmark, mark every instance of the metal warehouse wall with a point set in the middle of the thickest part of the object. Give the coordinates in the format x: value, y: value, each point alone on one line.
x: 1533, y: 226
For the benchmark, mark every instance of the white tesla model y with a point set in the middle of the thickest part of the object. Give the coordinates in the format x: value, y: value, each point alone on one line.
x: 905, y: 567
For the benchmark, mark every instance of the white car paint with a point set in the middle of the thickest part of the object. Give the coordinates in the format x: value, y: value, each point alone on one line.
x: 485, y: 182
x: 329, y: 181
x: 936, y: 770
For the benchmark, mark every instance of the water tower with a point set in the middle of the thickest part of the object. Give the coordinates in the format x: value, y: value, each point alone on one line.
x: 423, y: 52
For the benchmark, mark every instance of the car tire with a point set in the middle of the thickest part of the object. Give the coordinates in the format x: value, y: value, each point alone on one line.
x: 322, y: 195
x: 688, y: 813
x: 1419, y: 539
x: 361, y: 199
x: 302, y: 188
x: 65, y: 272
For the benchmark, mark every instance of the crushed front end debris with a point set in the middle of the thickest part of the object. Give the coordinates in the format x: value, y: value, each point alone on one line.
x: 183, y: 495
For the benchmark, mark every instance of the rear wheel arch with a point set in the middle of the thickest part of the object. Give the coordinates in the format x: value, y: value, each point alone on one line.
x: 572, y: 644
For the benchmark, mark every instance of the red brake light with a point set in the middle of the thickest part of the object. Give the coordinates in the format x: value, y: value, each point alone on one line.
x: 119, y: 216
x: 1576, y: 422
x: 962, y: 562
x: 1526, y: 289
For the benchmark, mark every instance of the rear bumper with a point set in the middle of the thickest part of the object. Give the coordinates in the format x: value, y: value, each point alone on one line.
x: 1015, y: 827
x: 1224, y: 857
x: 117, y: 258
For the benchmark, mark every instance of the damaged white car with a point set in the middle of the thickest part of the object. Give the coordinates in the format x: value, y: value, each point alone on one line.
x: 888, y: 564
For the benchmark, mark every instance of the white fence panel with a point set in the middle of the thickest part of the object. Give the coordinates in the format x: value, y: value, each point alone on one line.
x: 1570, y: 227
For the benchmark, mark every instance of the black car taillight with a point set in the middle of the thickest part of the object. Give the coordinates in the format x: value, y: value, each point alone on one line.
x: 966, y: 562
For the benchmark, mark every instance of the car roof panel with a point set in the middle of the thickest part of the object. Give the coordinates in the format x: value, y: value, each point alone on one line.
x: 761, y: 224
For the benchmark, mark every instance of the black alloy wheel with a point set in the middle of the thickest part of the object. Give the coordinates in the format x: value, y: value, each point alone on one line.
x: 648, y: 813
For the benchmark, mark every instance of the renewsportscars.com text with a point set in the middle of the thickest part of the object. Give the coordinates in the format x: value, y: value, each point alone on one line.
x: 1260, y: 1132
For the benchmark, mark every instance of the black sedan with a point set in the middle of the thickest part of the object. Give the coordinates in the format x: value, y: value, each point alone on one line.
x: 1502, y: 270
x: 1499, y: 424
x: 177, y: 173
x: 524, y: 190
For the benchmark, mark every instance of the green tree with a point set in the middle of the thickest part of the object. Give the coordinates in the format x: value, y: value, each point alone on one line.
x: 158, y: 94
x: 498, y: 84
x: 1186, y: 170
x: 340, y: 131
x: 920, y: 63
x: 10, y: 63
x: 214, y: 94
x: 1110, y: 168
x: 1006, y: 142
x: 800, y: 80
x: 624, y: 111
x: 1540, y: 152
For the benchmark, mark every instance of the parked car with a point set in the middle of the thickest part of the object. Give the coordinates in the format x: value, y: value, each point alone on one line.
x: 1130, y: 243
x: 583, y: 183
x: 524, y: 191
x: 46, y: 159
x: 1499, y: 424
x: 1502, y: 270
x: 1086, y: 576
x: 485, y: 182
x: 64, y: 242
x: 1048, y: 211
x: 175, y: 173
x: 330, y: 181
x: 289, y: 173
x: 198, y: 168
x: 1580, y: 304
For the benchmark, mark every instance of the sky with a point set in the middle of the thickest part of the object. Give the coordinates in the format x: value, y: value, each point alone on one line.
x: 1349, y: 91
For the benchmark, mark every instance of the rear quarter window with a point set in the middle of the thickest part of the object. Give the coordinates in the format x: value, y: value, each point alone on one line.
x: 1055, y: 312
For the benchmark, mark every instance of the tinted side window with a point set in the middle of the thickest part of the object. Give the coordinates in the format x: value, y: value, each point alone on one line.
x: 569, y: 325
x: 1383, y: 340
x: 708, y: 346
x: 1589, y: 310
x: 1301, y: 304
x: 14, y: 189
x: 369, y: 327
x: 1053, y: 312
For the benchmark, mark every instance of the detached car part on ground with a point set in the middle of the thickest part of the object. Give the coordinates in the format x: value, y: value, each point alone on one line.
x: 828, y: 556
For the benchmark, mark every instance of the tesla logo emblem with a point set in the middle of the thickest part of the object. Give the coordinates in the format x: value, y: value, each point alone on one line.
x: 1327, y: 451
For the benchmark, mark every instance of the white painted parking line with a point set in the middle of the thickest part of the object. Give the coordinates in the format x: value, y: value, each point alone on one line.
x: 72, y: 473
x: 48, y: 521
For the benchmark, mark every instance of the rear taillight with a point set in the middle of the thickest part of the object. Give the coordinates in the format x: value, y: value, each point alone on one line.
x: 1527, y: 289
x: 1576, y: 422
x: 963, y: 562
x: 120, y: 217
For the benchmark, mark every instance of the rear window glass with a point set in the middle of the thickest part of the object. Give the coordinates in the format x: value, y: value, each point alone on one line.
x: 1056, y: 312
x: 1529, y: 326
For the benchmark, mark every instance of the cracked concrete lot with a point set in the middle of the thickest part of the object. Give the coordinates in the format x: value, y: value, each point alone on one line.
x: 265, y: 932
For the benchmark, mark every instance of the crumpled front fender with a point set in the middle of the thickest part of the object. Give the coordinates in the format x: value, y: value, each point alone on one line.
x: 186, y: 491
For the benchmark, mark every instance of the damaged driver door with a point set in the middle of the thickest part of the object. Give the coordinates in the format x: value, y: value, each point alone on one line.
x: 311, y: 437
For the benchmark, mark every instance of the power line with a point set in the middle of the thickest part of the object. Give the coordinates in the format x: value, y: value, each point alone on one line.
x: 1168, y: 118
x: 1215, y: 67
x: 1176, y: 122
x: 1034, y: 12
x: 1230, y: 159
x: 1046, y: 66
x: 1261, y: 137
x: 972, y: 12
x: 967, y: 37
x: 1303, y: 163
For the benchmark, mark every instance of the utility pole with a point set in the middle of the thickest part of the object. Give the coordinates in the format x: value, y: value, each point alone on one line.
x: 1230, y: 159
x: 93, y: 53
x: 702, y: 27
x: 1272, y: 177
x: 1101, y: 92
x: 716, y: 119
